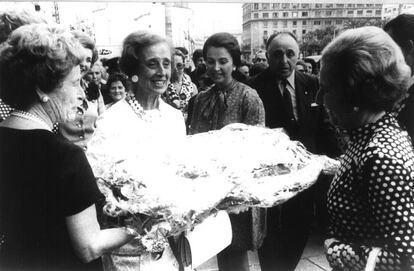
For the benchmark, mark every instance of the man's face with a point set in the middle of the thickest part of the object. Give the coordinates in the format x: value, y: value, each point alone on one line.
x: 260, y: 57
x: 282, y: 55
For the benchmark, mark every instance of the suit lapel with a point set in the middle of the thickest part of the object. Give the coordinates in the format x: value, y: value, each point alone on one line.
x: 302, y: 97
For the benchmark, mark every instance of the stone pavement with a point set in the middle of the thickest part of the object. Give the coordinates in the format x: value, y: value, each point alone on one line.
x: 313, y: 258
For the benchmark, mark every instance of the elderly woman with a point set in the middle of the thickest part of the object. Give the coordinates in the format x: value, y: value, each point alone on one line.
x: 146, y: 120
x: 229, y: 101
x: 181, y: 89
x: 48, y: 192
x: 370, y: 201
x: 80, y: 130
x: 116, y: 88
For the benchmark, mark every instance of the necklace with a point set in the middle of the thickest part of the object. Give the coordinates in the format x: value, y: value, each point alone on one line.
x: 139, y: 110
x: 29, y: 116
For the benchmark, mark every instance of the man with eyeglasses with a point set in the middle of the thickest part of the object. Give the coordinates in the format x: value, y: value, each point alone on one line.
x: 289, y: 101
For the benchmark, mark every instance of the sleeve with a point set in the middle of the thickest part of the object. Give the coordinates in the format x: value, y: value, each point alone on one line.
x: 391, y: 202
x: 252, y: 108
x: 79, y: 189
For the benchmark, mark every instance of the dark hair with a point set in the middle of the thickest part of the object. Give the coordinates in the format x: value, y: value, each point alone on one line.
x: 227, y: 41
x: 87, y: 43
x: 132, y: 48
x: 257, y: 68
x: 197, y: 54
x: 273, y: 36
x: 402, y: 29
x: 116, y: 77
x: 36, y: 56
x: 177, y: 52
x: 182, y: 50
x: 11, y: 20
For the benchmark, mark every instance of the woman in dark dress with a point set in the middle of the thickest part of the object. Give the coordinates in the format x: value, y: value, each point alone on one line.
x: 371, y: 199
x: 229, y: 101
x: 47, y: 189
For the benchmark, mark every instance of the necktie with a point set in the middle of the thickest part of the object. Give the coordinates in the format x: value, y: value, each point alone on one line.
x: 287, y: 100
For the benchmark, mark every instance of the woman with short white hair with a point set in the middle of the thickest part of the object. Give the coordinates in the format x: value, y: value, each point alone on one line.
x: 370, y: 201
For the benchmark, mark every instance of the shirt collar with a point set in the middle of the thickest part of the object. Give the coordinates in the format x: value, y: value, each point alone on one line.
x: 291, y: 79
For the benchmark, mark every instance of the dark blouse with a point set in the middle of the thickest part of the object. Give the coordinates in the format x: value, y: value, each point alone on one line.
x: 43, y: 179
x: 371, y: 199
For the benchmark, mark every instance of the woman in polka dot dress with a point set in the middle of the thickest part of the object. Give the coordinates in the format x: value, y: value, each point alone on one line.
x: 371, y: 200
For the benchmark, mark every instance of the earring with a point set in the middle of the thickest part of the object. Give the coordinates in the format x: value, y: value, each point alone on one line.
x: 134, y: 78
x: 45, y: 99
x: 355, y: 109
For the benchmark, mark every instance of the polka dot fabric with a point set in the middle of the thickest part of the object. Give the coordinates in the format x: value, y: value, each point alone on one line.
x: 4, y: 110
x: 371, y: 200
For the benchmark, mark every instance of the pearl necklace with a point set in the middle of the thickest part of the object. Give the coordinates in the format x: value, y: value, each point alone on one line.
x: 139, y: 110
x: 29, y: 116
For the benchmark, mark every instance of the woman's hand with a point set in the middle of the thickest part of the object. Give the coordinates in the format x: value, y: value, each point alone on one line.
x: 237, y: 209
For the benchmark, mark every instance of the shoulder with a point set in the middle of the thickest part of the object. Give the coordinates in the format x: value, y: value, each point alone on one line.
x: 306, y: 79
x: 246, y: 90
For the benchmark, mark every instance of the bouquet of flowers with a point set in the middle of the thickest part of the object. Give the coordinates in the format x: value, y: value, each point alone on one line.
x: 239, y: 165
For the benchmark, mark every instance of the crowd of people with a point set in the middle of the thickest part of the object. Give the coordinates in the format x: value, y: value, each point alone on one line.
x: 53, y: 90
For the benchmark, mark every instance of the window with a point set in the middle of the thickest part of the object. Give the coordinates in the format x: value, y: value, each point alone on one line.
x: 329, y: 5
x: 303, y: 31
x: 318, y: 13
x: 256, y: 6
x: 294, y: 14
x: 265, y: 6
x: 339, y: 5
x: 328, y: 22
x: 305, y: 14
x: 304, y: 22
x: 276, y: 6
x: 284, y: 23
x: 256, y: 15
x: 350, y: 12
x: 265, y: 33
x: 285, y: 14
x: 274, y: 23
x: 378, y: 12
x: 328, y: 13
x: 316, y: 22
x: 360, y: 5
x: 275, y: 15
x: 294, y: 6
x: 370, y: 5
x: 304, y: 5
x: 339, y: 12
x: 294, y: 23
x: 338, y: 21
x: 351, y: 5
x: 285, y: 5
x: 359, y: 12
x: 265, y: 15
x: 369, y: 12
x: 318, y: 5
x: 265, y: 24
x: 294, y: 31
x: 378, y: 5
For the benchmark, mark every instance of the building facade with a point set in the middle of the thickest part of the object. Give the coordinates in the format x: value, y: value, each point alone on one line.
x: 260, y: 20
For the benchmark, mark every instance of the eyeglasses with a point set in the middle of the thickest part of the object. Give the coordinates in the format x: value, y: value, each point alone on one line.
x: 260, y: 59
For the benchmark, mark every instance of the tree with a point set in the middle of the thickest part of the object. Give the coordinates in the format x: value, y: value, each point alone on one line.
x: 314, y: 41
x: 355, y: 23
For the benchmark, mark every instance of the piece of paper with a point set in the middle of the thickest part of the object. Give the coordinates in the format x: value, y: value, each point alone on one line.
x: 209, y: 238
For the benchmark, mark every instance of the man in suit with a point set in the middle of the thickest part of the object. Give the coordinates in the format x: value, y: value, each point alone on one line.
x: 289, y: 99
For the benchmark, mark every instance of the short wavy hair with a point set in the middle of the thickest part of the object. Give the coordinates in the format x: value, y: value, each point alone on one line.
x: 115, y: 77
x: 132, y: 47
x: 369, y: 67
x: 11, y: 20
x: 36, y: 56
x: 87, y: 43
x: 226, y: 41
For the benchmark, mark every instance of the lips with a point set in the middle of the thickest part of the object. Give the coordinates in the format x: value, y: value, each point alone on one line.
x: 159, y: 83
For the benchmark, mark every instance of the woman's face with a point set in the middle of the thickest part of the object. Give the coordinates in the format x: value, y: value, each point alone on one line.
x: 154, y: 70
x: 117, y: 91
x: 94, y: 75
x: 335, y: 100
x: 87, y: 62
x: 67, y: 97
x: 178, y: 66
x: 219, y: 65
